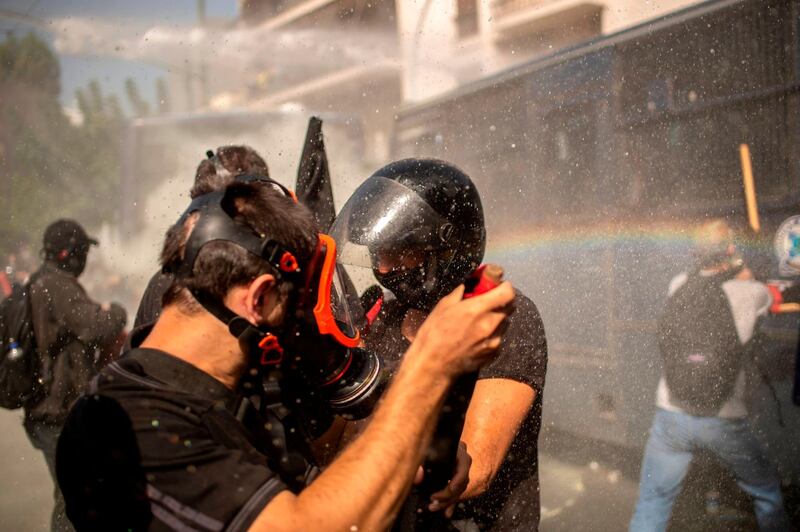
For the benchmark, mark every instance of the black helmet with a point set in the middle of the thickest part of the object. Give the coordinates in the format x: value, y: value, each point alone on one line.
x: 418, y: 224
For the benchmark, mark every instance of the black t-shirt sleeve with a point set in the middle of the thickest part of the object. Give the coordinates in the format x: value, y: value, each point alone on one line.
x: 523, y: 352
x: 182, y: 477
x: 98, y: 467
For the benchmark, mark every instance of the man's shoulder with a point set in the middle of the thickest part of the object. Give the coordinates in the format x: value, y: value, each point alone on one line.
x: 140, y: 394
x: 123, y: 374
x: 747, y: 293
x: 749, y: 286
x: 47, y: 275
x: 525, y: 303
x: 525, y: 324
x: 523, y: 352
x: 738, y: 291
x: 54, y: 283
x: 192, y: 463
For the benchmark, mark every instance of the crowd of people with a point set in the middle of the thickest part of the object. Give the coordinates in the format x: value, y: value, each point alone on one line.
x: 231, y: 405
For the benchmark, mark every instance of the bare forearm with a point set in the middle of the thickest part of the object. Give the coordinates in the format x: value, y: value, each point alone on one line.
x: 495, y: 414
x: 363, y: 488
x: 366, y: 484
x: 385, y: 458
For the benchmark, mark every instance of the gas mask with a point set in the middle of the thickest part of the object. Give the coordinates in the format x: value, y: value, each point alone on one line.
x: 317, y: 345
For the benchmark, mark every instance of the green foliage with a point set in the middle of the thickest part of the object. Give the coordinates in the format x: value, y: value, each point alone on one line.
x: 29, y: 61
x: 49, y: 167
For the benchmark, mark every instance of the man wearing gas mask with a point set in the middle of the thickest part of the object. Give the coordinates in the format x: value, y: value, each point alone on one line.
x: 219, y: 169
x: 69, y: 329
x: 416, y: 227
x: 160, y: 442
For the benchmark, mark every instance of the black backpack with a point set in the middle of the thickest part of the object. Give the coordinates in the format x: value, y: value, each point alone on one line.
x: 700, y: 348
x: 19, y: 358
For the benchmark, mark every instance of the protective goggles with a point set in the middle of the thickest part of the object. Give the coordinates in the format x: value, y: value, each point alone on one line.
x: 323, y: 298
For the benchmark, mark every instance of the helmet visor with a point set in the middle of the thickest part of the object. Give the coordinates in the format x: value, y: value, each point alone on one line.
x: 388, y: 227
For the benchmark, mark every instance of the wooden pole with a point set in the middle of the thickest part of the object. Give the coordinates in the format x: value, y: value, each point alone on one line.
x: 749, y: 188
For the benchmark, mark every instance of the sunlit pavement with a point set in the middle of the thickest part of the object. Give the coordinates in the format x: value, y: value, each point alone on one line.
x: 580, y: 490
x: 590, y: 487
x: 584, y: 497
x: 26, y: 491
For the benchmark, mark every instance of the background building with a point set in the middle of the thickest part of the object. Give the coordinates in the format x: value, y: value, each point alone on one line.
x: 390, y: 52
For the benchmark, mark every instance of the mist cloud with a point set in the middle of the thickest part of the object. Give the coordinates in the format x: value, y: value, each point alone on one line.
x: 172, y: 46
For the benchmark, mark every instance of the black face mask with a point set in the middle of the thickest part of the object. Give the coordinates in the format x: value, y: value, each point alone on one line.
x: 74, y: 263
x: 413, y: 287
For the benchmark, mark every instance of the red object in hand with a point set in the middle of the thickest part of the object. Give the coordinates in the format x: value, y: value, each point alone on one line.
x: 486, y: 277
x: 777, y: 297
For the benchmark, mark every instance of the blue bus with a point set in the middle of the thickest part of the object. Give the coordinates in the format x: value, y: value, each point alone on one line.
x: 596, y: 163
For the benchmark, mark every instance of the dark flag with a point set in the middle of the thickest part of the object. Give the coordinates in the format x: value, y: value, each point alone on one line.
x: 313, y: 186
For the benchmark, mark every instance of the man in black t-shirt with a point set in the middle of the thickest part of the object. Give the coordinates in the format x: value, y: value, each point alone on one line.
x: 179, y: 454
x: 164, y: 442
x: 511, y: 501
x: 417, y: 227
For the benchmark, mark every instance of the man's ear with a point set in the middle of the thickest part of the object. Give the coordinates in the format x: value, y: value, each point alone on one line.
x: 262, y: 288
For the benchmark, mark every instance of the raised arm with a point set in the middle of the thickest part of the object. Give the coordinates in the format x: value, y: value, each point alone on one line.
x: 364, y: 487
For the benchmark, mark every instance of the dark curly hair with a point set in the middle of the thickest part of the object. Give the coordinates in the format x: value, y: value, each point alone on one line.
x: 218, y: 171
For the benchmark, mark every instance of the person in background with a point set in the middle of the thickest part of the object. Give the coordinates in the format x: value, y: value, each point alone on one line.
x: 213, y: 173
x: 417, y: 226
x: 217, y: 171
x: 711, y: 314
x: 70, y: 329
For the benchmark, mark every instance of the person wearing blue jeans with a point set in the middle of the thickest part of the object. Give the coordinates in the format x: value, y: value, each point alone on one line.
x: 676, y: 435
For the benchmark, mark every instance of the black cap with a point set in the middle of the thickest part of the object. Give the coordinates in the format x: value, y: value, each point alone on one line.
x: 66, y: 234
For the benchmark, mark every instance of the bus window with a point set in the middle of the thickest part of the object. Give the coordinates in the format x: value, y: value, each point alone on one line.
x: 564, y: 155
x: 693, y: 161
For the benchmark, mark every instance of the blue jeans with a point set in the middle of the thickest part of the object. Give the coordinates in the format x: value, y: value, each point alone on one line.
x: 674, y: 437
